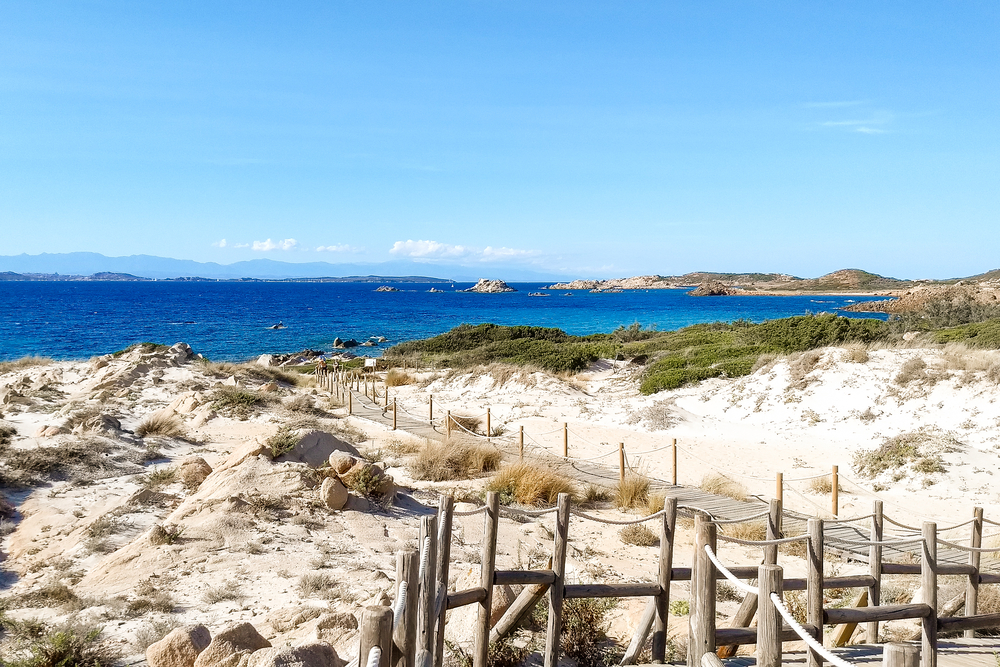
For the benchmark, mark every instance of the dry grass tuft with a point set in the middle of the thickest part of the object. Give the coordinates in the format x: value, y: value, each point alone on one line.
x: 633, y: 491
x: 823, y: 485
x: 398, y: 378
x: 448, y: 460
x: 472, y: 424
x: 911, y: 370
x: 655, y: 503
x: 22, y: 363
x: 723, y: 486
x: 856, y: 354
x: 529, y: 485
x: 748, y: 530
x: 167, y: 426
x: 594, y: 494
x: 638, y: 535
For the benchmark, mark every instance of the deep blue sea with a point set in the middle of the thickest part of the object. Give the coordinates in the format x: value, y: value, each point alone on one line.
x: 229, y: 321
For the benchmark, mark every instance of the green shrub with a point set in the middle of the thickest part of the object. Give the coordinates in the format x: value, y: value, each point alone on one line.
x: 282, y: 442
x: 237, y: 402
x: 38, y: 645
x: 584, y: 631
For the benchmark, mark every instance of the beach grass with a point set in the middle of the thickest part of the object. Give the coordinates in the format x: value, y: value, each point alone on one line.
x: 22, y: 363
x: 440, y: 461
x: 530, y: 485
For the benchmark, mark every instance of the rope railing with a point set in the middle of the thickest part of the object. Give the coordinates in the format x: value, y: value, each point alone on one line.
x: 874, y: 543
x: 744, y: 519
x: 478, y: 510
x: 528, y: 513
x: 400, y: 609
x: 805, y: 636
x: 962, y: 547
x: 762, y: 543
x: 617, y: 522
x: 852, y: 519
x: 374, y: 656
x: 736, y: 581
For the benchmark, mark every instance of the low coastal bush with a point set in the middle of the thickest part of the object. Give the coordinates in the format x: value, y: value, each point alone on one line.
x: 145, y: 348
x: 282, y: 442
x: 584, y: 638
x: 466, y: 422
x: 254, y: 372
x: 237, y: 402
x: 36, y: 644
x: 168, y: 426
x: 638, y: 535
x: 74, y: 460
x: 920, y: 449
x: 529, y: 485
x: 440, y: 461
x: 984, y: 335
x: 398, y: 378
x: 747, y: 530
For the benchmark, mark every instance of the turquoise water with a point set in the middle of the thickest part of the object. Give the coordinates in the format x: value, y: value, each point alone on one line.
x: 228, y: 321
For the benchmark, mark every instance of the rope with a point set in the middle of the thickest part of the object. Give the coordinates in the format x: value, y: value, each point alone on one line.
x: 740, y: 584
x: 850, y: 520
x: 478, y: 510
x: 593, y: 458
x: 374, y: 656
x: 614, y: 522
x: 531, y: 513
x: 803, y: 497
x: 977, y: 550
x: 874, y: 543
x: 742, y: 520
x: 425, y: 556
x: 901, y: 525
x: 805, y: 479
x: 805, y: 636
x: 652, y: 451
x: 995, y: 523
x: 397, y: 613
x: 761, y: 543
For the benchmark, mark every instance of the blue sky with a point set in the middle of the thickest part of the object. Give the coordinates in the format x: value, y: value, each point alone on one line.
x: 592, y: 139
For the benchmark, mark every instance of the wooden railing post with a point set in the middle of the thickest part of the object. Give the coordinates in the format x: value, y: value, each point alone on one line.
x: 701, y: 618
x: 773, y: 531
x: 350, y: 402
x: 430, y: 408
x: 376, y: 630
x: 405, y: 633
x: 779, y: 486
x: 673, y: 468
x: 900, y: 655
x: 481, y: 645
x: 448, y: 420
x: 835, y: 491
x: 520, y: 443
x: 928, y: 582
x: 556, y: 590
x: 621, y: 461
x: 446, y: 509
x: 393, y: 414
x: 972, y: 588
x: 489, y: 428
x: 425, y: 611
x: 769, y: 624
x: 565, y: 440
x: 875, y: 570
x: 659, y: 648
x: 814, y: 583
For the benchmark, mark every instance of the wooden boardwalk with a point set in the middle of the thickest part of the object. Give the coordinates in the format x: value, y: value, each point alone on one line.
x: 979, y: 652
x: 723, y: 507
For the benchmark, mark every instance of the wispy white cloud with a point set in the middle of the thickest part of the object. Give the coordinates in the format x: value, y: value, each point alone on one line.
x: 268, y: 245
x: 878, y: 122
x: 221, y: 243
x: 435, y: 250
x: 340, y: 247
x: 241, y: 245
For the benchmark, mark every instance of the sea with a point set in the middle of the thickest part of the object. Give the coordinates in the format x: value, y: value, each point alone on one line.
x: 231, y: 321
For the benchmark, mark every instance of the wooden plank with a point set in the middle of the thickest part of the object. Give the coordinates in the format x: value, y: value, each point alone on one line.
x: 957, y: 623
x: 515, y: 577
x: 610, y: 590
x: 892, y: 612
x: 466, y: 597
x: 748, y: 636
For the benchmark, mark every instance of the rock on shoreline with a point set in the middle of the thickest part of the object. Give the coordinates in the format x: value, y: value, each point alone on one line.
x: 485, y: 286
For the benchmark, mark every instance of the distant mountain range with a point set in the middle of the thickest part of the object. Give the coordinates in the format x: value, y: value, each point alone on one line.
x: 94, y: 266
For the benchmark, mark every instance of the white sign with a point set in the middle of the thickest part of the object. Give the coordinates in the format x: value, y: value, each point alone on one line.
x: 370, y: 363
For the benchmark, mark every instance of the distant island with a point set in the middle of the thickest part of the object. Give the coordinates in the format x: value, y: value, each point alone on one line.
x: 10, y: 276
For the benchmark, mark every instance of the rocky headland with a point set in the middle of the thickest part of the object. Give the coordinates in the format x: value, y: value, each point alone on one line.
x: 485, y: 286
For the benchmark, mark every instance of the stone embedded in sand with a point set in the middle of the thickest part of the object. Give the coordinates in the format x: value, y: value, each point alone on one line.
x: 265, y: 360
x: 269, y: 387
x: 317, y: 654
x: 102, y: 424
x: 462, y: 621
x: 47, y: 431
x: 289, y: 618
x: 230, y: 645
x: 333, y: 493
x: 245, y: 451
x: 341, y: 462
x: 180, y: 648
x: 315, y: 447
x: 193, y: 470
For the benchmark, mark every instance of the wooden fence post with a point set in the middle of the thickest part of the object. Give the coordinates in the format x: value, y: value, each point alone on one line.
x: 489, y: 428
x: 556, y: 590
x: 425, y: 612
x: 667, y: 525
x: 900, y: 655
x: 773, y: 531
x: 481, y: 645
x: 835, y: 491
x: 621, y: 462
x: 448, y: 421
x: 565, y: 440
x: 520, y: 443
x: 770, y: 579
x: 430, y: 408
x: 376, y: 630
x: 350, y: 402
x: 928, y: 582
x: 875, y: 570
x: 972, y: 588
x: 405, y: 633
x: 779, y: 486
x: 673, y: 469
x: 814, y: 584
x: 446, y: 509
x: 394, y: 414
x: 701, y: 618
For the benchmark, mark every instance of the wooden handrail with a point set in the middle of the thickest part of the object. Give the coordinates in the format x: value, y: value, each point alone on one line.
x: 891, y: 612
